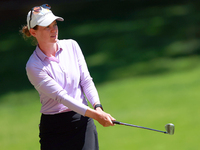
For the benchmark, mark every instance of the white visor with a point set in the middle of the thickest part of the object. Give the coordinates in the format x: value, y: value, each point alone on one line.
x: 43, y: 18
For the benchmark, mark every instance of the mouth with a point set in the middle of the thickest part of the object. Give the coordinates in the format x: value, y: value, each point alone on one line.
x: 54, y: 36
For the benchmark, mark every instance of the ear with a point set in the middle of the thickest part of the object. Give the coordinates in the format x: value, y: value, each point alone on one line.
x: 32, y: 32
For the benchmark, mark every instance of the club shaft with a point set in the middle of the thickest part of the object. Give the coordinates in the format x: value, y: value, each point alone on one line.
x: 126, y: 124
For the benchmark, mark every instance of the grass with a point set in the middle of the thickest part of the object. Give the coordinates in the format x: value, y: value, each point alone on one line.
x: 153, y: 101
x: 19, y: 120
x: 150, y: 101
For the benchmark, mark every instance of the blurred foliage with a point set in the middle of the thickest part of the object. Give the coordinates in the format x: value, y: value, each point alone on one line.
x: 118, y: 38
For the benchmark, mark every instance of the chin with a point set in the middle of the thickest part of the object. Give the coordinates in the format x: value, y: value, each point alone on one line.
x: 54, y: 40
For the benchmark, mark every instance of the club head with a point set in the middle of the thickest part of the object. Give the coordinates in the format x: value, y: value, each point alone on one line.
x: 169, y: 128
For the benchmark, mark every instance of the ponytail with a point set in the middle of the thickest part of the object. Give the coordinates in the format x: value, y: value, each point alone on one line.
x: 27, y: 35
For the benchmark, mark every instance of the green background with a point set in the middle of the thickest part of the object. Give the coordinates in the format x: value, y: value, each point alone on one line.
x: 143, y: 56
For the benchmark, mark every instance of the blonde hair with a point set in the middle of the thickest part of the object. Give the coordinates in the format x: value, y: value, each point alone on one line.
x: 27, y: 35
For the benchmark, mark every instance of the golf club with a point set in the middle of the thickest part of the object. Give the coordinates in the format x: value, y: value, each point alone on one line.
x: 169, y: 127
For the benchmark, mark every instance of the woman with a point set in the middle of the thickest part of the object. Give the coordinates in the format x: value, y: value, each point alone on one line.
x: 58, y: 71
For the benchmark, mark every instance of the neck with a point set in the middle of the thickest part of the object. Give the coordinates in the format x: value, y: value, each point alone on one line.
x: 48, y: 49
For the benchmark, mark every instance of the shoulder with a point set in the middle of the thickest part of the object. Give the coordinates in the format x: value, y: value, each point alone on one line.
x: 33, y: 62
x: 70, y: 45
x: 68, y: 42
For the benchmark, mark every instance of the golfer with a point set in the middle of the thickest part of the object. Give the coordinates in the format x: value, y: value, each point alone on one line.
x: 58, y: 71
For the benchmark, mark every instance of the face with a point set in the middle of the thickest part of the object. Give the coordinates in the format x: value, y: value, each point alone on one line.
x: 46, y: 35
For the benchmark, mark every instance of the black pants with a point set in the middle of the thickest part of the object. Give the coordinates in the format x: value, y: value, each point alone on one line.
x: 68, y: 131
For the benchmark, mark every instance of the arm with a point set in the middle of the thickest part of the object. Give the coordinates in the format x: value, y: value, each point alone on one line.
x: 45, y: 84
x: 91, y: 93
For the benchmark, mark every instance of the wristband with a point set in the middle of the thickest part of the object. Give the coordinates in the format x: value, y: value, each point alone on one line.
x: 98, y: 105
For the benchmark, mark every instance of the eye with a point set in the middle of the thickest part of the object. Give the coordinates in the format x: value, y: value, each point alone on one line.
x: 55, y: 25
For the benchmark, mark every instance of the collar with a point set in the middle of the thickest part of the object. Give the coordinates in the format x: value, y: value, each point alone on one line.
x: 42, y: 56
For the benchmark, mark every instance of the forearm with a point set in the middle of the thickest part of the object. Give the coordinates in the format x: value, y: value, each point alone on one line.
x: 91, y: 92
x: 91, y: 113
